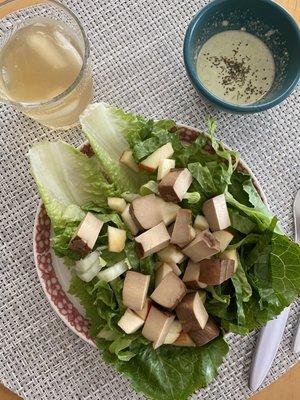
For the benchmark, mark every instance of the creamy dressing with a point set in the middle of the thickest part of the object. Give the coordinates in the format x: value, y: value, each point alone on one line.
x: 236, y: 66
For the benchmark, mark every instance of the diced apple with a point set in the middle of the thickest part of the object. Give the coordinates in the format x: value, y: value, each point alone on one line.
x: 224, y: 238
x: 151, y: 163
x: 128, y: 160
x: 230, y: 255
x: 171, y: 255
x: 116, y: 239
x: 116, y: 203
x: 164, y: 167
x: 168, y: 210
x: 201, y: 223
x: 130, y: 322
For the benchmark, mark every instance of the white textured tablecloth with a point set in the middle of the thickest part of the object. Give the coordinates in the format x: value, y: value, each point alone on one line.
x: 137, y: 64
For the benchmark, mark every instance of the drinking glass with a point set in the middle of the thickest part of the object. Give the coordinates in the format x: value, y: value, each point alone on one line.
x: 63, y: 109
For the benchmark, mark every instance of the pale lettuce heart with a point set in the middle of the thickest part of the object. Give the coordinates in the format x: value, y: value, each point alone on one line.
x: 105, y: 128
x: 67, y: 178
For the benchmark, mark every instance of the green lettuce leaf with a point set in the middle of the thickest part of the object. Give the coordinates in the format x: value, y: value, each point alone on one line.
x: 172, y: 373
x: 240, y: 222
x: 212, y: 171
x: 260, y: 218
x: 82, y: 291
x: 243, y: 292
x: 103, y: 306
x: 105, y: 128
x: 159, y: 137
x: 60, y: 242
x: 148, y: 137
x: 244, y: 198
x: 267, y: 280
x: 213, y: 177
x: 67, y: 178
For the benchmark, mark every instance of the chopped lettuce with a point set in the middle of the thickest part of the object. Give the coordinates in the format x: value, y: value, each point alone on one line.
x: 192, y: 197
x: 149, y: 137
x: 213, y: 177
x: 150, y: 187
x: 243, y: 196
x: 267, y: 280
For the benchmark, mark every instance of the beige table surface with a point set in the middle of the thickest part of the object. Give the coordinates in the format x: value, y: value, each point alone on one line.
x: 288, y: 386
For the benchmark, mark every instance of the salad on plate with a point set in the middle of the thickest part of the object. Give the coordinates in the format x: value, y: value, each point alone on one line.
x: 169, y: 244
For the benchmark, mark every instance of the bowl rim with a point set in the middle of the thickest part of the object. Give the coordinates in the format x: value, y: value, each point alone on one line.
x: 191, y: 72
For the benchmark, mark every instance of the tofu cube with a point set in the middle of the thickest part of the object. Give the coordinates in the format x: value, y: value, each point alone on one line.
x: 86, y: 235
x: 135, y: 290
x: 216, y: 212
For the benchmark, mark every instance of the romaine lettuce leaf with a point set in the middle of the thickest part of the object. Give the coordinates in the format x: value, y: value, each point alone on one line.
x: 157, y: 138
x: 261, y: 219
x: 243, y: 292
x: 243, y: 196
x: 66, y: 178
x: 240, y: 222
x: 105, y: 128
x: 103, y: 305
x: 267, y: 280
x: 172, y: 373
x: 213, y: 177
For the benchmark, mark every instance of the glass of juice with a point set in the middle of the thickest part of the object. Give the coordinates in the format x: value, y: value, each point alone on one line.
x: 44, y: 61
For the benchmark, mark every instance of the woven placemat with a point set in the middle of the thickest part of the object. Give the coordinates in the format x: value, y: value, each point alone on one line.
x: 137, y: 64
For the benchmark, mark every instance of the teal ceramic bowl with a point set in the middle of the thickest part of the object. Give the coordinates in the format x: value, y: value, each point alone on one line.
x: 263, y: 18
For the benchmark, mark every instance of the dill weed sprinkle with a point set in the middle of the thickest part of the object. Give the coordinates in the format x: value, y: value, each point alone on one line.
x: 236, y: 66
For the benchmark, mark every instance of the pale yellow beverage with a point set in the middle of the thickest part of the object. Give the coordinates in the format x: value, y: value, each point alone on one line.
x: 41, y: 69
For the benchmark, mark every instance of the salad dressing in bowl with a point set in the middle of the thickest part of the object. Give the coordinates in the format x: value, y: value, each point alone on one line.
x: 256, y: 35
x: 236, y: 66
